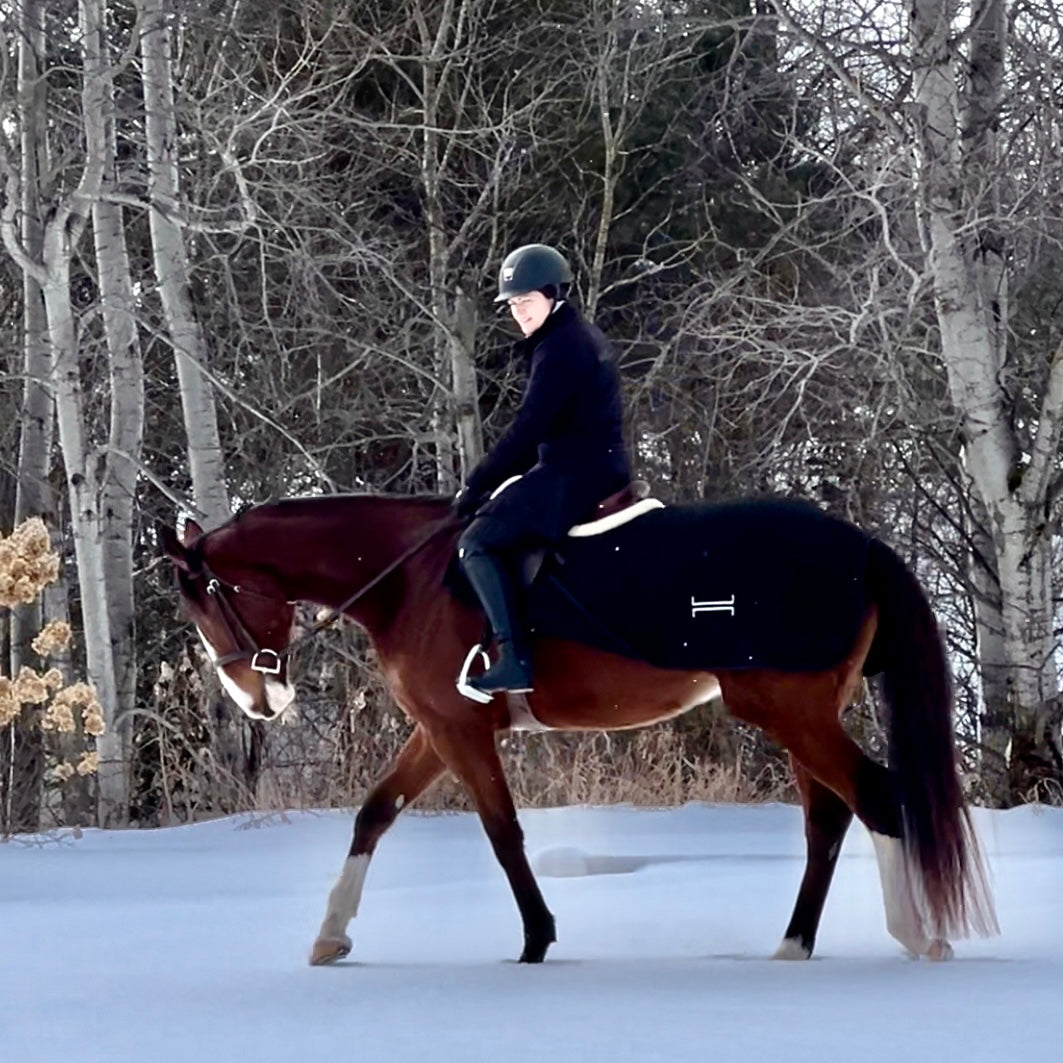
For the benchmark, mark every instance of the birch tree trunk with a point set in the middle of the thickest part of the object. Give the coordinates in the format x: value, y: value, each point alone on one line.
x: 117, y: 487
x: 612, y: 130
x: 995, y: 724
x: 434, y: 47
x: 87, y: 470
x: 33, y: 496
x: 958, y: 171
x: 463, y: 375
x: 205, y: 459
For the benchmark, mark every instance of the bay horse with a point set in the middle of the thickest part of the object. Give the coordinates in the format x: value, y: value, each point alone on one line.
x: 381, y: 561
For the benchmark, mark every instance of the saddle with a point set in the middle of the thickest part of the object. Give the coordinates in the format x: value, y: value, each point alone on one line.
x: 618, y: 508
x: 627, y: 496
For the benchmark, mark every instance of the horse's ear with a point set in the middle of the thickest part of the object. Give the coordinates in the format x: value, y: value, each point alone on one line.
x: 171, y: 546
x: 190, y: 531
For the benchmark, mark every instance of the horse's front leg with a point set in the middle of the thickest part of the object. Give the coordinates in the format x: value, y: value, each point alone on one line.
x: 415, y: 768
x: 473, y: 758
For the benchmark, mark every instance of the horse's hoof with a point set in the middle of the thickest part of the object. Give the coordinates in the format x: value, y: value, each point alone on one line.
x: 791, y: 949
x: 538, y: 938
x: 535, y: 951
x: 330, y: 950
x: 939, y: 950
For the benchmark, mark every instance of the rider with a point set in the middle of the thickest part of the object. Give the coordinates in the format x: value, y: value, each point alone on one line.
x: 565, y: 442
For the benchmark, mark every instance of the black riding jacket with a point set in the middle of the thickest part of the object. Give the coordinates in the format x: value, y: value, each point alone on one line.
x: 571, y: 416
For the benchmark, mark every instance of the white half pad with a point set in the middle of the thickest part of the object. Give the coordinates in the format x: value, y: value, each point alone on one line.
x: 614, y: 520
x: 603, y: 524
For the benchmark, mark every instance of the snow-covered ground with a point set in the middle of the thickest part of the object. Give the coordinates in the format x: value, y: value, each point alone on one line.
x: 188, y: 944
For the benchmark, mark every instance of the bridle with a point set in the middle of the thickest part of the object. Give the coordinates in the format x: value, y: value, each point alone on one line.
x: 267, y: 661
x: 262, y: 659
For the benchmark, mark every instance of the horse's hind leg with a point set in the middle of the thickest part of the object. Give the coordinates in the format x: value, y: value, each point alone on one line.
x: 415, y: 768
x: 838, y: 763
x: 474, y: 760
x: 827, y: 818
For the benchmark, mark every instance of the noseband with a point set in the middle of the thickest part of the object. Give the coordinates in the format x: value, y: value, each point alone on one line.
x: 268, y: 661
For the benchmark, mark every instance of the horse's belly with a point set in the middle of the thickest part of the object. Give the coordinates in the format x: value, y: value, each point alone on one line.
x: 578, y: 689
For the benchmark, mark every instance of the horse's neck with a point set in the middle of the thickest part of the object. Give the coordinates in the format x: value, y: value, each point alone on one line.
x: 324, y: 550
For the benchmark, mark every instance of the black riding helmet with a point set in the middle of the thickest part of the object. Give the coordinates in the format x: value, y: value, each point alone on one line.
x: 530, y: 268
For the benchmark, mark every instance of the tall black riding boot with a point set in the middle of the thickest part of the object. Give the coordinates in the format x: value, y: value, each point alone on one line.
x: 494, y: 587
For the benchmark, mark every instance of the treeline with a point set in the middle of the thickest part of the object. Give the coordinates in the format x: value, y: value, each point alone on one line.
x: 251, y: 252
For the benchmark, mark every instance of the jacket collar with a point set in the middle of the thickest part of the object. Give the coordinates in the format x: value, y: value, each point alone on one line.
x: 563, y: 314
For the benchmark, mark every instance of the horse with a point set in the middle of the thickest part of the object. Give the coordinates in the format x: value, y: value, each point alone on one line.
x: 382, y: 561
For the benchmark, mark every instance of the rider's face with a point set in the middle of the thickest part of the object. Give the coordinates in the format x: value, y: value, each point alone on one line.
x: 530, y: 310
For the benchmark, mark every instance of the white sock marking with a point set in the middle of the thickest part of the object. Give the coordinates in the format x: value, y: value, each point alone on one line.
x: 904, y: 919
x: 791, y: 949
x: 344, y: 899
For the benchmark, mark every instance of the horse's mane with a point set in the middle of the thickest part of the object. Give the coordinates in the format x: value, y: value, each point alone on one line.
x: 392, y: 515
x: 302, y: 502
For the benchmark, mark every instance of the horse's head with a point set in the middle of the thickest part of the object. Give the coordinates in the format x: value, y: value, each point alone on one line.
x: 242, y: 617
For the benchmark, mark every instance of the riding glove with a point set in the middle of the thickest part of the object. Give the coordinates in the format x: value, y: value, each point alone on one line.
x: 466, y: 504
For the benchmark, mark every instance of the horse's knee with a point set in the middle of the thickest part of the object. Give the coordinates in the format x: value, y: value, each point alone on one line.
x: 373, y: 819
x: 852, y: 778
x: 505, y: 835
x: 827, y: 816
x: 826, y: 826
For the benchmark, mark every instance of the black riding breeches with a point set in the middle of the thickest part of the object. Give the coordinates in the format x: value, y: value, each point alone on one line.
x: 537, y: 510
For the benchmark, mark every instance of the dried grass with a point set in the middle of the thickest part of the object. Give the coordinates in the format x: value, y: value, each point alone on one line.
x: 312, y: 761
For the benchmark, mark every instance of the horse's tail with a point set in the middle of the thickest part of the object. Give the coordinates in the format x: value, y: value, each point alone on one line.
x: 941, y: 849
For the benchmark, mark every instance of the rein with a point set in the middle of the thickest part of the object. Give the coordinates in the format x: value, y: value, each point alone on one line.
x: 270, y: 661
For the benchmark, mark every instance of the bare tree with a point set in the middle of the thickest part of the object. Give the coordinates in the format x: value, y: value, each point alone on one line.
x: 98, y: 476
x: 207, y: 469
x: 961, y: 109
x: 34, y: 496
x: 117, y: 492
x: 961, y: 176
x: 750, y: 213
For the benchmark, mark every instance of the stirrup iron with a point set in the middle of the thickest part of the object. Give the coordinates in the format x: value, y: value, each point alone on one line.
x: 463, y: 678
